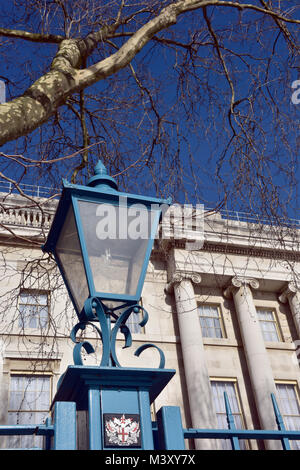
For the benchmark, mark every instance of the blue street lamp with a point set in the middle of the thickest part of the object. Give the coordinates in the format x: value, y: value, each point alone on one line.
x: 102, y: 241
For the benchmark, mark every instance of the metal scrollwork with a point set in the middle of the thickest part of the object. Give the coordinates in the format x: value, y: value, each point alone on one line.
x: 149, y: 345
x: 83, y: 344
x: 110, y: 323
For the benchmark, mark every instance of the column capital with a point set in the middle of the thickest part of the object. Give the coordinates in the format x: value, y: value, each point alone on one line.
x: 288, y: 291
x: 239, y: 281
x: 178, y: 276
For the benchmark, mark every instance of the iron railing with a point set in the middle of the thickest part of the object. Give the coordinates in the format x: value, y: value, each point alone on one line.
x: 170, y: 434
x: 28, y: 189
x: 61, y: 435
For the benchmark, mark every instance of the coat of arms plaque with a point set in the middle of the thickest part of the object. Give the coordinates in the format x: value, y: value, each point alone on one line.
x: 122, y: 430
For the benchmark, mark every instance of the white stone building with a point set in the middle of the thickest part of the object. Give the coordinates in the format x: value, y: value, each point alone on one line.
x: 227, y: 317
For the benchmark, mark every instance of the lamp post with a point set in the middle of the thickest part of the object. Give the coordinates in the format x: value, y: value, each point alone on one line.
x: 102, y: 239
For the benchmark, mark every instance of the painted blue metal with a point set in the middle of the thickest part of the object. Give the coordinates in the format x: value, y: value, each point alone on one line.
x: 64, y: 426
x: 145, y: 417
x: 91, y: 194
x: 132, y: 401
x: 26, y: 430
x: 77, y: 351
x: 118, y: 400
x: 231, y: 425
x: 73, y: 384
x: 155, y: 222
x: 240, y: 433
x: 280, y: 423
x: 149, y: 345
x: 95, y: 305
x: 107, y: 296
x: 62, y: 432
x: 101, y: 178
x: 47, y: 439
x: 147, y: 255
x: 85, y: 257
x: 110, y: 390
x: 128, y: 391
x: 100, y: 188
x: 169, y: 428
x: 120, y: 325
x: 95, y: 310
x: 65, y: 280
x: 156, y: 440
x: 170, y: 431
x: 95, y: 432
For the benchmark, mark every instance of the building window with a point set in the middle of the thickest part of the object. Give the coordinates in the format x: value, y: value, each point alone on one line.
x: 134, y: 320
x: 211, y: 321
x: 33, y: 309
x: 29, y: 402
x: 269, y: 325
x: 289, y: 405
x: 230, y: 387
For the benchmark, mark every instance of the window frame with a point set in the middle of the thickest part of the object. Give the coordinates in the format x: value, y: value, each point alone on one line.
x: 234, y: 381
x: 129, y: 323
x: 25, y: 374
x: 275, y: 322
x: 295, y: 386
x: 220, y: 318
x: 21, y: 320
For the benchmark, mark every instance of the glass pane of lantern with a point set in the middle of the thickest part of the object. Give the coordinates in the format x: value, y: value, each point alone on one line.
x: 116, y: 239
x: 69, y: 253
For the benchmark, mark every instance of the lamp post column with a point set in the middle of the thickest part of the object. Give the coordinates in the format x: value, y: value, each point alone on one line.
x: 292, y: 294
x: 259, y: 366
x: 195, y: 368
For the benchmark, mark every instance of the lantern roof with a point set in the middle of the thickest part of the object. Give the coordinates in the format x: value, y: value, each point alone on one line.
x: 100, y: 188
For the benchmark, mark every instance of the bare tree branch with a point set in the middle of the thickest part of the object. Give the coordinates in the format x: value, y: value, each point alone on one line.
x: 49, y: 92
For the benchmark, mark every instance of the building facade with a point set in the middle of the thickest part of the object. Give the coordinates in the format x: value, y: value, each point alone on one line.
x: 226, y: 315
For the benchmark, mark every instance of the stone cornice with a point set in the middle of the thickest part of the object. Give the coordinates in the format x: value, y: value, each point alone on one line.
x: 236, y: 250
x: 251, y: 251
x: 239, y: 281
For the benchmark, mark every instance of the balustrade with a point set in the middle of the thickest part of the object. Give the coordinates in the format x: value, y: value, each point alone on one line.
x: 25, y: 217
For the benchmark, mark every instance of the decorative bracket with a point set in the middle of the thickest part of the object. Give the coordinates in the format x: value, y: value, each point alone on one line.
x: 96, y: 311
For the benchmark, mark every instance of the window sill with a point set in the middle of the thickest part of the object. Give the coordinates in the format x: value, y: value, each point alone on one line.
x: 148, y: 337
x: 221, y: 342
x: 280, y: 345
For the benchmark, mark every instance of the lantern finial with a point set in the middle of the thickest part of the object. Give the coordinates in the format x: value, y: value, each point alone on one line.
x: 100, y: 169
x: 101, y: 179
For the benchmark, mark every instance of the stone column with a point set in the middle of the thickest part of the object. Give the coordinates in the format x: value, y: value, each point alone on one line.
x: 292, y: 294
x: 195, y: 368
x: 259, y: 367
